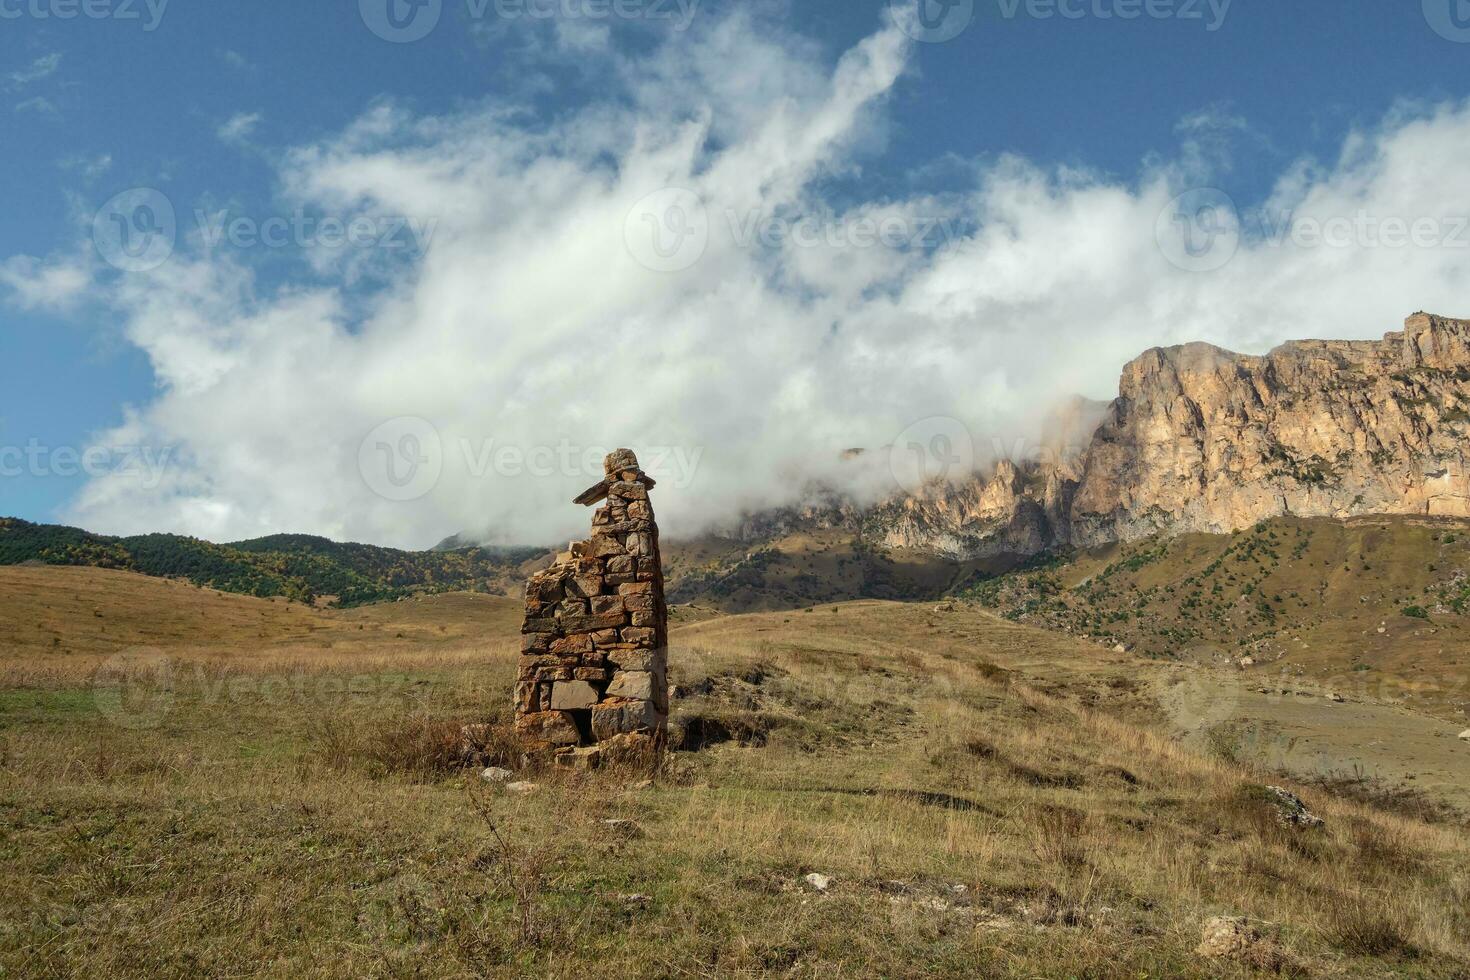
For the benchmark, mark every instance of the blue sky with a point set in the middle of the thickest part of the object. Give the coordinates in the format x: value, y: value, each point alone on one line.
x: 274, y: 109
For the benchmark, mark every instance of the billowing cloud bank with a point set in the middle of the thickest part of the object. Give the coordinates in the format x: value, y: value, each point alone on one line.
x: 661, y: 269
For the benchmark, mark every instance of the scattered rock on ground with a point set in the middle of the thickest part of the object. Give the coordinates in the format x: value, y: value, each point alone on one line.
x: 495, y: 774
x: 1465, y: 734
x: 1291, y: 810
x: 523, y: 787
x: 945, y: 607
x: 820, y: 882
x: 1230, y: 938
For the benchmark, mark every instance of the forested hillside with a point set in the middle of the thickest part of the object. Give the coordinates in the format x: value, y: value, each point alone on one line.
x: 300, y: 567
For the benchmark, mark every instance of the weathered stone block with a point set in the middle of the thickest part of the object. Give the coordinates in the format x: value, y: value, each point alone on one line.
x: 604, y: 545
x: 592, y: 675
x: 619, y: 717
x: 570, y: 695
x: 636, y: 588
x: 628, y: 490
x: 639, y: 684
x: 580, y: 760
x: 540, y: 626
x: 593, y: 622
x: 579, y: 644
x: 607, y: 604
x: 535, y: 642
x: 649, y: 619
x: 638, y: 659
x: 572, y: 607
x: 551, y: 727
x: 641, y: 635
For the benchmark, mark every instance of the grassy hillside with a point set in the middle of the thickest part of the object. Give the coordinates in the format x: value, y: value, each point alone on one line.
x: 1354, y: 600
x: 282, y: 795
x: 804, y: 568
x: 298, y: 567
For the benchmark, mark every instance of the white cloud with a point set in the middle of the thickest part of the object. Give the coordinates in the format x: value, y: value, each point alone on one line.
x: 40, y: 105
x: 90, y: 168
x: 43, y: 67
x: 526, y: 322
x: 239, y: 127
x: 53, y: 286
x: 236, y: 60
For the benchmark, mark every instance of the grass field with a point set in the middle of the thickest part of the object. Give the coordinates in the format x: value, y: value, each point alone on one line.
x: 197, y: 784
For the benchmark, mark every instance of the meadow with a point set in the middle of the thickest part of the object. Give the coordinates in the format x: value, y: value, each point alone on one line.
x: 201, y: 784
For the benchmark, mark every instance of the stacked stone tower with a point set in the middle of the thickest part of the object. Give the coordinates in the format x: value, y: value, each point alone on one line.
x: 593, y: 676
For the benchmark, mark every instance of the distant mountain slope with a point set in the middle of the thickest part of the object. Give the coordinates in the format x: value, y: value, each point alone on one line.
x: 300, y: 567
x: 1359, y: 599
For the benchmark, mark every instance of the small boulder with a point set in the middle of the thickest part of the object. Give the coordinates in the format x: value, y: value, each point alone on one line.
x: 1120, y: 648
x: 580, y: 759
x: 945, y: 607
x: 1465, y: 735
x: 1290, y: 809
x: 523, y: 788
x: 1231, y: 938
x: 818, y: 882
x: 495, y: 774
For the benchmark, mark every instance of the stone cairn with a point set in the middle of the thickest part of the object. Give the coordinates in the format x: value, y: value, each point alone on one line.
x: 593, y: 676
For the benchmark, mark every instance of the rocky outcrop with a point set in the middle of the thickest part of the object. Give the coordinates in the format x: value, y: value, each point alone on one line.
x: 1203, y: 439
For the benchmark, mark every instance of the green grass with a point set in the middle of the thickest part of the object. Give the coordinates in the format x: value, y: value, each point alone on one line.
x: 307, y: 820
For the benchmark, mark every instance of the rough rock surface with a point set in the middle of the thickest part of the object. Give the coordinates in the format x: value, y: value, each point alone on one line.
x: 593, y: 665
x: 1230, y: 938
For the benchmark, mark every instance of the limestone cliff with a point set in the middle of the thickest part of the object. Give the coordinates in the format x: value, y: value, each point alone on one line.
x: 1203, y: 439
x: 1200, y: 439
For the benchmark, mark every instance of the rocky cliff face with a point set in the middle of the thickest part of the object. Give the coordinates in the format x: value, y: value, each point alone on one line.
x: 1203, y: 439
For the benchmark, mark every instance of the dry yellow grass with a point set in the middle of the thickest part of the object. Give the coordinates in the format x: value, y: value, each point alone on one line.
x: 988, y: 799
